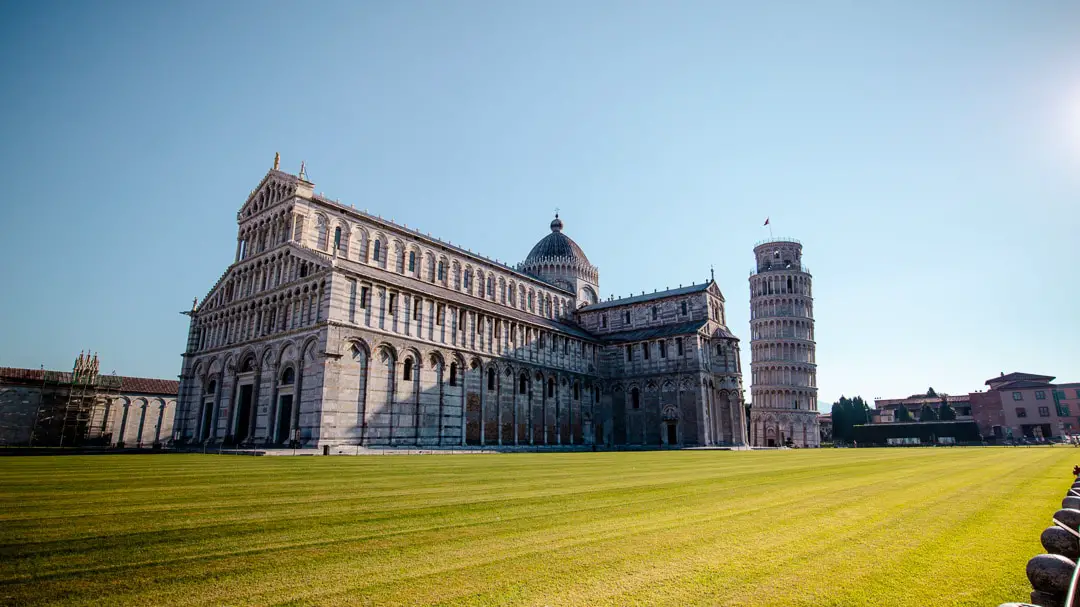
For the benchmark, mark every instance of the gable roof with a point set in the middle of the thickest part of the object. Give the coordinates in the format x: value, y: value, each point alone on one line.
x: 1019, y: 376
x: 136, y: 385
x: 647, y: 297
x: 654, y: 332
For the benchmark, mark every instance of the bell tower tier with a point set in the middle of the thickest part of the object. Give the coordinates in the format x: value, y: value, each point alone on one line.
x: 782, y: 348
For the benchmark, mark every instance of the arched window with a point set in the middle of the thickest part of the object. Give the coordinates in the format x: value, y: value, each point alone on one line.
x: 248, y: 366
x: 453, y: 374
x: 551, y: 387
x: 288, y: 377
x: 442, y: 271
x: 211, y: 387
x: 491, y: 379
x: 655, y: 312
x: 408, y: 373
x: 412, y: 261
x: 719, y: 350
x: 337, y: 238
x: 523, y: 383
x: 468, y: 279
x: 577, y: 391
x: 323, y: 231
x: 635, y: 398
x: 378, y: 250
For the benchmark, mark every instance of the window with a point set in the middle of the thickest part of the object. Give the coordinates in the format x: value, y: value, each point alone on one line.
x: 551, y: 387
x: 1018, y: 396
x: 416, y: 309
x: 479, y: 324
x: 678, y: 346
x: 522, y: 384
x: 626, y: 317
x: 363, y: 297
x: 468, y: 279
x: 719, y: 350
x: 645, y: 350
x: 352, y: 299
x: 541, y: 341
x: 378, y: 250
x: 684, y: 308
x: 453, y: 374
x: 603, y: 323
x: 1063, y: 410
x: 565, y: 346
x: 439, y: 315
x: 461, y: 321
x: 1040, y: 395
x: 577, y: 391
x: 1021, y: 412
x: 663, y: 348
x: 442, y: 271
x: 635, y: 399
x: 629, y: 353
x: 288, y: 378
x: 412, y: 261
x: 491, y: 379
x: 212, y: 386
x: 655, y: 312
x: 407, y: 376
x: 393, y: 304
x: 337, y: 238
x: 1044, y: 411
x: 1078, y: 393
x: 498, y: 332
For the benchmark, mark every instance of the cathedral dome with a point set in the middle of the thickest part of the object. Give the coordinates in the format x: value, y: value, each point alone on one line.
x: 556, y: 245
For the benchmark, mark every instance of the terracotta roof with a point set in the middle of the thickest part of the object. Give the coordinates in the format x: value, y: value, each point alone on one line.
x: 135, y: 385
x: 1016, y: 376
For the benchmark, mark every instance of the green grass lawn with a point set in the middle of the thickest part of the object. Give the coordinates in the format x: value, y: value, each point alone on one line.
x: 828, y: 527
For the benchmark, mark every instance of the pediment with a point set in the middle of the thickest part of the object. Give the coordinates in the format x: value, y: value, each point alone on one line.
x: 274, y: 189
x: 714, y: 290
x: 318, y: 261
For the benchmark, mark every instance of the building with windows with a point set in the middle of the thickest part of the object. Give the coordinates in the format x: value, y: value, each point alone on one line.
x: 885, y: 408
x: 83, y: 408
x: 1026, y: 405
x: 783, y: 361
x: 335, y: 327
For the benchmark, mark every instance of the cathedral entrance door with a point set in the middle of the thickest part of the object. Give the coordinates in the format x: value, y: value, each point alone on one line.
x: 284, y: 418
x: 243, y: 412
x: 672, y: 434
x: 208, y: 418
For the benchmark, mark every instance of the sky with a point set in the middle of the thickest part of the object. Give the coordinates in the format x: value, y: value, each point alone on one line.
x: 926, y: 154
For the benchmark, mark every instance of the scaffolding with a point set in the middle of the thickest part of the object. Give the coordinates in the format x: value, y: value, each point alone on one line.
x: 73, y: 407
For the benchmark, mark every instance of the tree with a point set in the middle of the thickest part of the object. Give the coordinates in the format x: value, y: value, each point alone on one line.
x: 930, y: 392
x: 927, y: 414
x: 945, y: 412
x: 846, y: 414
x: 902, y: 414
x: 840, y: 420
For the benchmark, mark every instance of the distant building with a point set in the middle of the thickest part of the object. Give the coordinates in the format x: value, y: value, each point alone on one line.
x: 825, y: 423
x: 1027, y: 405
x: 44, y: 408
x: 885, y: 408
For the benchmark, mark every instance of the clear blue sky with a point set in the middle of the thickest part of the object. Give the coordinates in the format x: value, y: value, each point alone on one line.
x: 926, y: 153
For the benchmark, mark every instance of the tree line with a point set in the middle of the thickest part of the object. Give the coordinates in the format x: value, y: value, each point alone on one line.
x: 850, y: 412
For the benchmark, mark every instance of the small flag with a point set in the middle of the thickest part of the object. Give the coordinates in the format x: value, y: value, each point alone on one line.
x: 766, y: 221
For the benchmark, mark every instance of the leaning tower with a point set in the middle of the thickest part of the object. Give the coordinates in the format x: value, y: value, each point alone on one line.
x: 783, y: 365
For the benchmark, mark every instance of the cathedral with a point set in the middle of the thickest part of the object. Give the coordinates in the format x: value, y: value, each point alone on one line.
x: 334, y: 327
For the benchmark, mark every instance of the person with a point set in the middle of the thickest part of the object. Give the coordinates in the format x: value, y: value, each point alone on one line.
x: 855, y: 444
